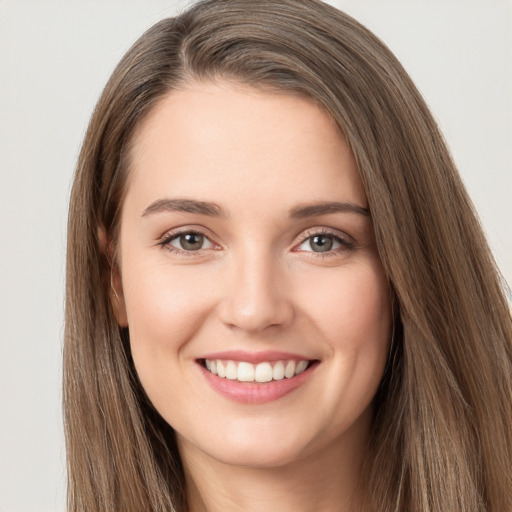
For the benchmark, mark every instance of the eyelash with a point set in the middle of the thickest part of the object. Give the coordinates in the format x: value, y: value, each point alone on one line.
x: 345, y: 244
x: 166, y: 240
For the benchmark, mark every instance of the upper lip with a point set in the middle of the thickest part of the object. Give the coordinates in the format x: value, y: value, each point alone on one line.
x: 256, y: 357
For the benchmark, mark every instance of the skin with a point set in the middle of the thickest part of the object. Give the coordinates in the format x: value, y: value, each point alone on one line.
x: 255, y: 284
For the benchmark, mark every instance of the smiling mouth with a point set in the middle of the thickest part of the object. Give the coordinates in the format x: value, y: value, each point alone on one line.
x: 266, y: 371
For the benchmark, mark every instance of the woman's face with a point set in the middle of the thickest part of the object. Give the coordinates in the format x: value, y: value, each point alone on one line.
x: 257, y: 306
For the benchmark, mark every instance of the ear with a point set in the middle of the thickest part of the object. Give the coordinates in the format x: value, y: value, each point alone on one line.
x: 116, y: 285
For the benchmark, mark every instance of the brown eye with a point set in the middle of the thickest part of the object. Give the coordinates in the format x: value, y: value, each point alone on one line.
x: 321, y: 243
x: 324, y: 243
x: 190, y: 242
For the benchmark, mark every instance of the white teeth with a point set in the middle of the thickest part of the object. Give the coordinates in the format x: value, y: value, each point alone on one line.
x: 262, y: 372
x: 301, y: 366
x: 289, y: 371
x: 231, y: 370
x: 245, y: 372
x: 278, y: 371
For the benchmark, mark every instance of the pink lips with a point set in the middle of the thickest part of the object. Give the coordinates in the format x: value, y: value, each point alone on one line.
x: 254, y: 357
x: 255, y: 392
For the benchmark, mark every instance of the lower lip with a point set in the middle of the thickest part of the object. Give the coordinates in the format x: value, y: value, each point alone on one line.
x: 256, y: 392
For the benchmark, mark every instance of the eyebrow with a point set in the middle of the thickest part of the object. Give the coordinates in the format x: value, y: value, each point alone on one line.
x: 184, y: 205
x: 312, y: 210
x: 215, y: 210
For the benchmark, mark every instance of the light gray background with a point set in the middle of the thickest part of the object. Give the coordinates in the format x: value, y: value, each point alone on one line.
x: 54, y: 60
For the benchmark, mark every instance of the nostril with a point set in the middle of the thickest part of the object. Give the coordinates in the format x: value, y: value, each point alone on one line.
x: 256, y: 314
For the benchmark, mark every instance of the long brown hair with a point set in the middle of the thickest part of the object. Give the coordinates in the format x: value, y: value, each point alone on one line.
x: 442, y: 433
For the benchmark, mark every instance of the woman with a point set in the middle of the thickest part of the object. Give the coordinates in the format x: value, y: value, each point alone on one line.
x: 278, y: 293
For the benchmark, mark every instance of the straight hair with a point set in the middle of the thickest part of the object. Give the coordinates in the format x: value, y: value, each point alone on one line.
x: 441, y: 438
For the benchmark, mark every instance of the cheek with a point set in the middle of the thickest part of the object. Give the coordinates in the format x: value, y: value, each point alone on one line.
x: 165, y: 308
x: 353, y: 315
x: 165, y: 311
x: 352, y: 307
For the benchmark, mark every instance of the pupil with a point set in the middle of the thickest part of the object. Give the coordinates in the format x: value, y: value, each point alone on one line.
x: 191, y: 241
x: 321, y: 243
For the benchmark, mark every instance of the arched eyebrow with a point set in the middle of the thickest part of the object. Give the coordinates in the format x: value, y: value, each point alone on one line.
x: 316, y: 209
x: 215, y: 210
x: 184, y: 205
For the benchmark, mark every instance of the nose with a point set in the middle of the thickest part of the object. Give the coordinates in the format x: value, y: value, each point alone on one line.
x: 256, y: 296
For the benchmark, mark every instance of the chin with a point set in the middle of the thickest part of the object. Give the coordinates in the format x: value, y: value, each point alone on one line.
x: 258, y: 455
x: 256, y: 446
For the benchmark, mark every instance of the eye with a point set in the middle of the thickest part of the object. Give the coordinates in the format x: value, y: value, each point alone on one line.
x: 188, y: 241
x: 323, y: 243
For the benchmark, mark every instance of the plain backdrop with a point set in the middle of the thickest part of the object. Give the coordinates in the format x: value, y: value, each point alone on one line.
x: 55, y: 58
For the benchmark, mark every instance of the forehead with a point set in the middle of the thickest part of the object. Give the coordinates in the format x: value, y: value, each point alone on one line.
x: 231, y: 141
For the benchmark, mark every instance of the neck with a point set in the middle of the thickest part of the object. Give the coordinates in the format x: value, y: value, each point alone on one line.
x: 327, y: 480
